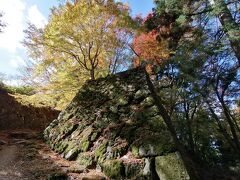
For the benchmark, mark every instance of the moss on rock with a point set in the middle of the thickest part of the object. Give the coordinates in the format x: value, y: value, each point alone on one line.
x: 149, y: 145
x: 114, y: 169
x: 94, y: 136
x: 133, y: 170
x: 85, y: 159
x: 72, y: 153
x: 100, y: 151
x: 61, y: 146
x: 170, y: 167
x: 109, y: 118
x: 134, y: 150
x: 84, y: 145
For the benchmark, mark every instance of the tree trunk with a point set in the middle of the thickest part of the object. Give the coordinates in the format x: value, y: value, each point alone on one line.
x: 231, y: 124
x: 190, y: 136
x: 221, y: 128
x: 229, y: 24
x: 92, y: 74
x: 191, y: 167
x: 189, y: 127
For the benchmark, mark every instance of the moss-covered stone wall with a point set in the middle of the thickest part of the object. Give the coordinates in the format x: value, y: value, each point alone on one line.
x: 113, y: 125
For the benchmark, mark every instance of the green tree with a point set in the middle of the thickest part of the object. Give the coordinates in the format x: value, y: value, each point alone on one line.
x: 229, y: 24
x: 199, y: 83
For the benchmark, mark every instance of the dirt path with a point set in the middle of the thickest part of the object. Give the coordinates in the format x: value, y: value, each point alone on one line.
x: 24, y: 156
x: 8, y: 170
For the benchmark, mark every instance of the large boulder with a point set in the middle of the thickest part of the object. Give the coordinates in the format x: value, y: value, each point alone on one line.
x: 113, y: 125
x: 171, y: 167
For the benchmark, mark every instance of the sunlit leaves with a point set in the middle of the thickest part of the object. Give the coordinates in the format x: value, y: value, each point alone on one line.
x: 79, y: 42
x: 149, y: 49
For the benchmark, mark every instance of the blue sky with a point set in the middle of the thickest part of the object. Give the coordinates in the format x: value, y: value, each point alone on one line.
x: 18, y: 12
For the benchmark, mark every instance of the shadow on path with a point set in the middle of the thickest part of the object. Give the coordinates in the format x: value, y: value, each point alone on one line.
x: 24, y: 156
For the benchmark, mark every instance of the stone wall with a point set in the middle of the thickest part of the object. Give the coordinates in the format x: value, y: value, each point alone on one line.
x: 113, y: 125
x: 15, y: 115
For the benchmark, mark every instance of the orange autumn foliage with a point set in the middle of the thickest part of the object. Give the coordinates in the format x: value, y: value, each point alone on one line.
x: 149, y: 49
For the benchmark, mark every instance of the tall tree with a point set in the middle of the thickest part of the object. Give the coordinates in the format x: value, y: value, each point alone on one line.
x: 85, y: 32
x: 198, y: 83
x: 79, y: 42
x: 230, y: 26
